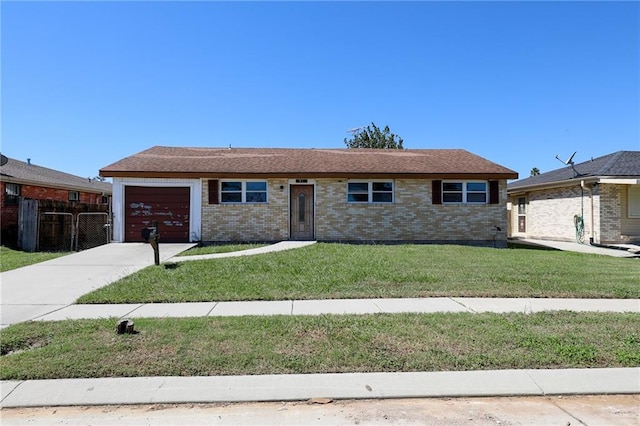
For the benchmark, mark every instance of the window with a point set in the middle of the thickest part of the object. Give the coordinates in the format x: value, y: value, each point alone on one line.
x: 243, y: 192
x: 634, y: 200
x: 370, y: 192
x: 231, y: 192
x: 256, y: 192
x: 464, y: 192
x: 74, y: 196
x: 522, y: 205
x: 11, y: 193
x: 452, y: 192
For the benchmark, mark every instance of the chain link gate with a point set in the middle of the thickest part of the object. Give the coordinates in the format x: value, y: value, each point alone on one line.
x: 61, y: 231
x: 92, y: 230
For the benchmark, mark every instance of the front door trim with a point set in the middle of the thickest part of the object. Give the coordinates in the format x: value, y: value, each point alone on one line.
x: 293, y: 183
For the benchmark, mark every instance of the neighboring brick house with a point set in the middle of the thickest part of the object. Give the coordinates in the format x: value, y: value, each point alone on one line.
x: 262, y: 194
x: 604, y: 192
x: 24, y: 180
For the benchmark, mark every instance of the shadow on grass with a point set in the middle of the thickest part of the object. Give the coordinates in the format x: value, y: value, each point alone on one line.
x: 529, y: 246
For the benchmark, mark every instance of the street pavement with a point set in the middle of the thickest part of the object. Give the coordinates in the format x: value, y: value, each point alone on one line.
x: 47, y: 291
x: 563, y: 410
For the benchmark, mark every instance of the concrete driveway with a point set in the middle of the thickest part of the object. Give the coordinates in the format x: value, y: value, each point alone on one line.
x: 32, y: 291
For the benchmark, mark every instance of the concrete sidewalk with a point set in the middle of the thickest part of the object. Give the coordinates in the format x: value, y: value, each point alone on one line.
x: 340, y: 306
x: 620, y: 250
x: 35, y: 290
x: 296, y: 387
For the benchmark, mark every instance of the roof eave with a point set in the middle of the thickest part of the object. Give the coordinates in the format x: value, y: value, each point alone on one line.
x: 21, y: 181
x: 555, y: 184
x: 309, y: 175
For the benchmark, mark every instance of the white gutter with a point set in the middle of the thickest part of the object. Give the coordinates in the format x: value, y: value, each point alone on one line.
x: 620, y: 181
x: 575, y: 181
x: 547, y: 185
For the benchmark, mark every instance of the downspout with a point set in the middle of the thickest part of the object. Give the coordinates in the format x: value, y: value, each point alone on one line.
x: 593, y: 234
x: 578, y: 221
x: 592, y: 238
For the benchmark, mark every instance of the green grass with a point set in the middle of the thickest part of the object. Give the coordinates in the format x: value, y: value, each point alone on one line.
x: 324, y: 344
x: 222, y: 248
x: 323, y: 271
x: 14, y: 259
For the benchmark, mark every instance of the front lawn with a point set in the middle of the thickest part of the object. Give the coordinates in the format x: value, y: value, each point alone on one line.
x: 323, y: 271
x: 325, y: 344
x: 14, y: 259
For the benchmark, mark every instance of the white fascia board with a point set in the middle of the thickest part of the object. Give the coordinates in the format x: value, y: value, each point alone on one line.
x: 623, y: 181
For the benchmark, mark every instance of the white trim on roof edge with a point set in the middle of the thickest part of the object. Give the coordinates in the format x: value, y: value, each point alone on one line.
x: 620, y: 181
x: 572, y: 182
x: 195, y: 203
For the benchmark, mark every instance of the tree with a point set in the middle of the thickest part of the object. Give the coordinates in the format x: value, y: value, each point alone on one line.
x: 535, y: 171
x: 373, y: 137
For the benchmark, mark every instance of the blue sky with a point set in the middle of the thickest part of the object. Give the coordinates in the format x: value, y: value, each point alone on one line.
x: 85, y: 84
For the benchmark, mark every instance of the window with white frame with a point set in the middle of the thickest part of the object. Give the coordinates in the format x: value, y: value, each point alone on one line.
x: 74, y: 196
x: 243, y: 192
x: 464, y: 192
x: 370, y: 192
x: 11, y: 193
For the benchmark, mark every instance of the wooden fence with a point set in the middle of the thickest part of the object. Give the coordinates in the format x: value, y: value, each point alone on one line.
x: 46, y: 225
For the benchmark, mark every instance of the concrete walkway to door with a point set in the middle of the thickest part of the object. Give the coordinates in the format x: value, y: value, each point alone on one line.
x: 32, y: 291
x: 281, y: 246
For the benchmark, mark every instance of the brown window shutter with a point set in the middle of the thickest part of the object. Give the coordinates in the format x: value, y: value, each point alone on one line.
x: 436, y: 192
x: 494, y: 192
x: 213, y: 192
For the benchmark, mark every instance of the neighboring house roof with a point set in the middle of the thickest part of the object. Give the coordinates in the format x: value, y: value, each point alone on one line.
x: 161, y: 161
x: 621, y: 164
x: 16, y: 171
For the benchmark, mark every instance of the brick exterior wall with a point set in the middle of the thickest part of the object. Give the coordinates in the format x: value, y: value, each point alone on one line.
x: 610, y: 212
x: 247, y: 222
x: 549, y: 213
x: 412, y: 217
x: 9, y: 213
x: 616, y: 225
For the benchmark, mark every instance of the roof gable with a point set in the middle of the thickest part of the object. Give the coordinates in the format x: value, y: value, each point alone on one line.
x: 163, y: 161
x: 27, y: 173
x: 617, y: 164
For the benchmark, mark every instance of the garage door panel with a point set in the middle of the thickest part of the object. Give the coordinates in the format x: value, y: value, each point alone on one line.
x: 169, y: 206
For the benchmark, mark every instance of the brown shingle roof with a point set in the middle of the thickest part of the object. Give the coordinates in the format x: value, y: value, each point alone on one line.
x: 28, y: 173
x: 161, y: 161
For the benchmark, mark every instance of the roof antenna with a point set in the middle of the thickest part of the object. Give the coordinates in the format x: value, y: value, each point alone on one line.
x: 570, y: 163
